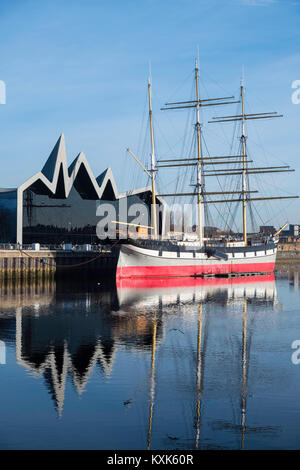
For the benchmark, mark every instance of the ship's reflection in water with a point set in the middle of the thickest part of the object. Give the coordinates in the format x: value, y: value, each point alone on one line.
x: 152, y: 363
x: 165, y: 294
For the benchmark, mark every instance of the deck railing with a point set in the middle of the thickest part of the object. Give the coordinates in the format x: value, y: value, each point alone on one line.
x: 53, y: 247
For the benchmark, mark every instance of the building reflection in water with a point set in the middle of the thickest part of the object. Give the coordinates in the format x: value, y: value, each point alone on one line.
x: 290, y: 272
x: 60, y: 333
x: 69, y: 334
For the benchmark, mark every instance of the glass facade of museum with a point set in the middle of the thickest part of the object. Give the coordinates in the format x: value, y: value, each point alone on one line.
x: 72, y: 220
x: 8, y: 216
x: 51, y: 220
x: 61, y: 203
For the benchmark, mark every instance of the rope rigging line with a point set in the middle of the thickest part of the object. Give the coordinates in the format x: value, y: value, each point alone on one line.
x: 220, y: 185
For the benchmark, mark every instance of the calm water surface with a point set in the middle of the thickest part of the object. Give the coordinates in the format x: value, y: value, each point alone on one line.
x: 164, y: 364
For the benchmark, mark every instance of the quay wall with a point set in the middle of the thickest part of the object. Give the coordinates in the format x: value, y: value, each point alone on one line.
x: 15, y: 263
x: 43, y: 263
x: 288, y: 253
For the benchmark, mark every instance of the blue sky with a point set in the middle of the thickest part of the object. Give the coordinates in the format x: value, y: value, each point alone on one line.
x: 80, y: 67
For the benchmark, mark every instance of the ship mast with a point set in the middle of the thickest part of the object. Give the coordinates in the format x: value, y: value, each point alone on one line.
x: 153, y: 170
x: 244, y: 185
x: 244, y: 170
x: 201, y: 163
x: 199, y: 156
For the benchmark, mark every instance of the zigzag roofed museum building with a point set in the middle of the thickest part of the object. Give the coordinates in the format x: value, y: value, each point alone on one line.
x: 59, y: 203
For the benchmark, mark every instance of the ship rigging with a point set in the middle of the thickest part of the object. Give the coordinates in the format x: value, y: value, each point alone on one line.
x: 201, y: 162
x: 159, y: 255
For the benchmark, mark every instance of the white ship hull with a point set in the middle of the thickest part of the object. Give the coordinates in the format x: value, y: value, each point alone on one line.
x: 156, y: 259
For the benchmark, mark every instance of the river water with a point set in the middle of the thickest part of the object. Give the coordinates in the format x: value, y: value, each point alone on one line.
x: 157, y: 364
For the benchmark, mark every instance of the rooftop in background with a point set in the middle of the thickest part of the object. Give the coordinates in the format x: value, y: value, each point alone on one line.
x: 292, y: 231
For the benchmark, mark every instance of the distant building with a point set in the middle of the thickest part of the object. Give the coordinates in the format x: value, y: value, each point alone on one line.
x: 293, y: 231
x: 58, y: 204
x: 211, y: 232
x: 267, y: 229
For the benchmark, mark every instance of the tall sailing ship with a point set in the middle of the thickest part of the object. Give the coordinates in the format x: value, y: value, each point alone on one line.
x: 158, y: 255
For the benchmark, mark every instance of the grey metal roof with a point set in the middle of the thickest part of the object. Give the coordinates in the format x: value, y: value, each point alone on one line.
x: 57, y: 179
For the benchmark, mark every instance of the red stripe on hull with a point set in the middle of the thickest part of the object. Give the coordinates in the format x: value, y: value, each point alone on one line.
x: 172, y: 282
x: 182, y: 271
